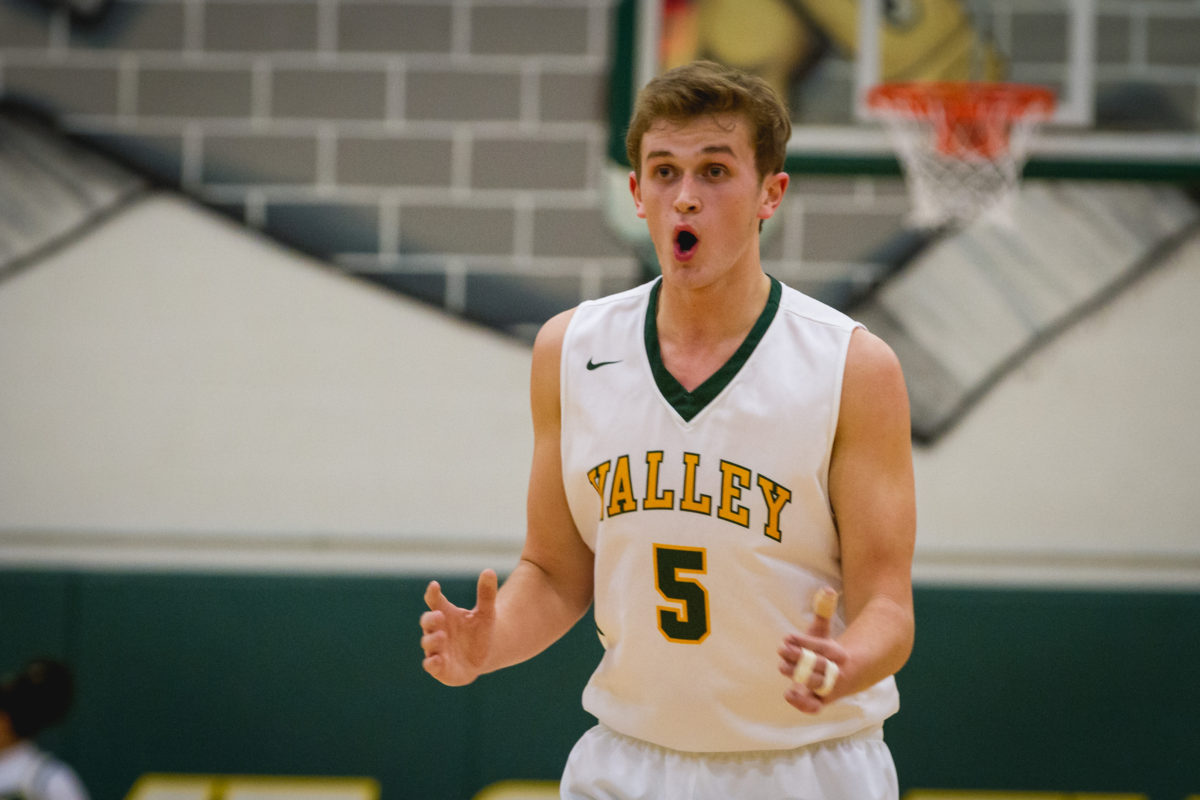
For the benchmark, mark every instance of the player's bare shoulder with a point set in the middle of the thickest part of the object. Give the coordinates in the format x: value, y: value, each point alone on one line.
x: 873, y: 388
x: 871, y: 361
x: 548, y: 345
x: 550, y: 335
x: 544, y: 375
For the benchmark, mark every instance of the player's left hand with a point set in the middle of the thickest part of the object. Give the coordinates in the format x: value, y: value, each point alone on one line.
x: 456, y: 641
x: 824, y: 664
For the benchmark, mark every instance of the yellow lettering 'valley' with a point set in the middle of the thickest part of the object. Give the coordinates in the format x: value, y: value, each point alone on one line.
x: 620, y: 493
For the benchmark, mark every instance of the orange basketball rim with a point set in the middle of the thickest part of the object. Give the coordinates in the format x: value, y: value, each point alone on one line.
x: 968, y: 118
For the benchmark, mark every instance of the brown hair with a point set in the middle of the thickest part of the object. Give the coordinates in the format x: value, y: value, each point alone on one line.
x: 705, y: 87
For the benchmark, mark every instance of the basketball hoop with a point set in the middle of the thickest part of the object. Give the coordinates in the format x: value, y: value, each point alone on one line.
x: 963, y: 145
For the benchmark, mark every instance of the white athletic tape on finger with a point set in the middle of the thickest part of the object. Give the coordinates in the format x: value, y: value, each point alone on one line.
x: 804, y: 667
x: 831, y: 676
x: 825, y: 602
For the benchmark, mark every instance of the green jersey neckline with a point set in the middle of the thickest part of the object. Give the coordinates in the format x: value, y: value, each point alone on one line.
x: 689, y: 404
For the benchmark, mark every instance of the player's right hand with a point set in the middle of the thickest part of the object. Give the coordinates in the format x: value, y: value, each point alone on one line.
x: 825, y: 651
x: 456, y: 640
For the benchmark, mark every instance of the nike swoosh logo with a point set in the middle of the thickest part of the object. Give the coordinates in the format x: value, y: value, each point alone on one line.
x: 597, y: 364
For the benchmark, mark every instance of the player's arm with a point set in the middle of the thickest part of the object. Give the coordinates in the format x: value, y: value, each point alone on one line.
x: 872, y: 492
x: 551, y: 586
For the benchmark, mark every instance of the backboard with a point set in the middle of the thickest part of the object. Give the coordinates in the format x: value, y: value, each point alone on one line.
x: 1126, y: 74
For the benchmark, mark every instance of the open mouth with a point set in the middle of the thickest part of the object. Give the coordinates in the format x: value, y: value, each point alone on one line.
x: 685, y: 244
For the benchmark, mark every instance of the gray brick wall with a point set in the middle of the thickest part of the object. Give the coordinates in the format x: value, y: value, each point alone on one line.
x: 1172, y: 40
x: 246, y: 26
x: 23, y: 26
x: 456, y: 149
x: 139, y: 27
x: 427, y: 144
x: 530, y: 30
x: 455, y: 94
x: 387, y: 160
x: 179, y: 92
x: 392, y: 28
x: 82, y: 88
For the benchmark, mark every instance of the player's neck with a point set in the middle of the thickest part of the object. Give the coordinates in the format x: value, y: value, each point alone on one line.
x: 707, y: 315
x: 700, y: 329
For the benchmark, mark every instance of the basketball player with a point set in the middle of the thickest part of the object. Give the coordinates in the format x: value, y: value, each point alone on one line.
x: 711, y: 451
x: 34, y: 699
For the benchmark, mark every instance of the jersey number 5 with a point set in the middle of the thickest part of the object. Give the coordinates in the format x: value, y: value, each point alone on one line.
x: 687, y: 620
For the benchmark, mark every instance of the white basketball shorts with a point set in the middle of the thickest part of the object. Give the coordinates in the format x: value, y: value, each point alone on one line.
x: 605, y: 765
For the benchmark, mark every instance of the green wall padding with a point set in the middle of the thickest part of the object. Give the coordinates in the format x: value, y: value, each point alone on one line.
x: 1054, y: 690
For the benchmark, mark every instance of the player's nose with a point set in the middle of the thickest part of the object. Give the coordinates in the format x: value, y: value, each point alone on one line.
x: 687, y: 201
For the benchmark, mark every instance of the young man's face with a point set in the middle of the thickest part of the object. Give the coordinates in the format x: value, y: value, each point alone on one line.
x: 701, y: 196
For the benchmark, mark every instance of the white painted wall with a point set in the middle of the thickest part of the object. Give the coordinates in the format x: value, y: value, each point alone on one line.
x: 177, y: 388
x: 178, y: 391
x: 1084, y: 463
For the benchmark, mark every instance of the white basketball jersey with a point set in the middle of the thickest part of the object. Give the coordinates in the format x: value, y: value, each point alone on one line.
x: 709, y: 515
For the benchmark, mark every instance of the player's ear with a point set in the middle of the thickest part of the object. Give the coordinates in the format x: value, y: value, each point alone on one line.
x: 773, y: 190
x: 636, y: 190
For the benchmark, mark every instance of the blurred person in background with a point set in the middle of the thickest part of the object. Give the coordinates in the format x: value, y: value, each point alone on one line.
x: 31, y: 701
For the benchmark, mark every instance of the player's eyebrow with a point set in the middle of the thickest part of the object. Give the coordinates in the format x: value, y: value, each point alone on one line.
x: 709, y: 150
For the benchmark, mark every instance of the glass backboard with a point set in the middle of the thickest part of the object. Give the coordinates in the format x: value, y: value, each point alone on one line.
x: 1126, y: 74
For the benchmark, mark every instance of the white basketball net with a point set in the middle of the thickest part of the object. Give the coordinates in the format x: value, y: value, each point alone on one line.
x: 958, y: 168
